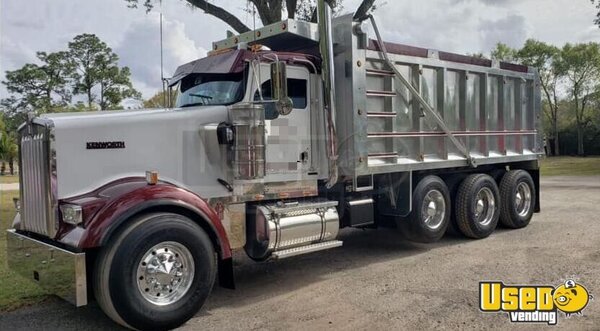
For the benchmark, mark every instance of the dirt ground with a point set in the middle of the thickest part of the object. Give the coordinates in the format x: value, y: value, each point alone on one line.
x: 378, y: 282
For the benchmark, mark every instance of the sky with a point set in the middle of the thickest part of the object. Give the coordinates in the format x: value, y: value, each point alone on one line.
x: 461, y: 26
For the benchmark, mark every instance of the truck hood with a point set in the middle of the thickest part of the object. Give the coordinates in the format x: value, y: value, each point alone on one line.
x: 96, y: 148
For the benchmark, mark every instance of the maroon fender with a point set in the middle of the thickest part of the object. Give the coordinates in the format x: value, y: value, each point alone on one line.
x: 108, y: 207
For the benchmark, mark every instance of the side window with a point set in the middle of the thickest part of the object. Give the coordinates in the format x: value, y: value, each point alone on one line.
x: 297, y: 90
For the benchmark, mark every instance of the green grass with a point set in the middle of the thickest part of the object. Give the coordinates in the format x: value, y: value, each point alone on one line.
x: 7, y: 179
x: 15, y: 291
x: 570, y: 166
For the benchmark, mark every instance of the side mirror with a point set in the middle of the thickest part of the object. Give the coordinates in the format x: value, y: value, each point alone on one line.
x: 279, y: 89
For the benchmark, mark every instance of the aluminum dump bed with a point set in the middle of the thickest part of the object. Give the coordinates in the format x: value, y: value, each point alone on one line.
x: 492, y: 109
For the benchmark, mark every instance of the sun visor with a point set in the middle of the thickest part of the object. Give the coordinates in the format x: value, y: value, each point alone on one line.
x: 225, y: 63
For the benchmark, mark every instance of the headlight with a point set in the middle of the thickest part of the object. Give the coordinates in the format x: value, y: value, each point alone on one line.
x: 71, y: 214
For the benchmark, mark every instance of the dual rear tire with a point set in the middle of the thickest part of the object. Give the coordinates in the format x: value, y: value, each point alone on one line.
x: 513, y: 203
x: 518, y: 196
x: 477, y: 206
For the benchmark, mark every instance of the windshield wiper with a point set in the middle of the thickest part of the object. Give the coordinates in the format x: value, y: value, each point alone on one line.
x: 193, y: 104
x: 201, y: 96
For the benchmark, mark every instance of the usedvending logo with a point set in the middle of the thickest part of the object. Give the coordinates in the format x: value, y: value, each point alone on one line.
x: 533, y: 304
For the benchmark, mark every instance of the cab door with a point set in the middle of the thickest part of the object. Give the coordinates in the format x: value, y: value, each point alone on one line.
x: 288, y: 137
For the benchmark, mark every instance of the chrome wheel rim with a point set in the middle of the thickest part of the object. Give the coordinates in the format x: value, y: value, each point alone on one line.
x: 523, y: 199
x: 165, y: 273
x: 485, y: 206
x: 433, y: 210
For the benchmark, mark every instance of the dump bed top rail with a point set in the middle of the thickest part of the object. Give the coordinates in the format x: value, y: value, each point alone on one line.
x: 401, y: 49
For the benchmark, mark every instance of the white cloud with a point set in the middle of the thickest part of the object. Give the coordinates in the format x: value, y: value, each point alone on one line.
x: 510, y: 30
x: 139, y: 49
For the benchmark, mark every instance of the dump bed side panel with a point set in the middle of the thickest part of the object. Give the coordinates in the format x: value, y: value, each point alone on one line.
x: 492, y: 108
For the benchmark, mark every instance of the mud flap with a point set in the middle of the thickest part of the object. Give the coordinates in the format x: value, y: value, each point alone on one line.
x: 226, y: 279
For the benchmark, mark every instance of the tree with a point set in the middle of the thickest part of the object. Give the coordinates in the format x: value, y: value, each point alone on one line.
x: 478, y: 55
x: 8, y: 152
x: 115, y: 86
x: 8, y: 148
x: 503, y: 52
x: 269, y: 11
x: 97, y: 70
x: 40, y: 88
x: 544, y: 58
x: 160, y: 100
x: 581, y: 66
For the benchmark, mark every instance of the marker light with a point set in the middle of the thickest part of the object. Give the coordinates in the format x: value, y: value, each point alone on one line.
x: 71, y: 214
x: 151, y: 177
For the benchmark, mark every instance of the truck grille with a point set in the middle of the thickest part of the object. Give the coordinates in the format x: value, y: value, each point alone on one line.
x: 37, y: 202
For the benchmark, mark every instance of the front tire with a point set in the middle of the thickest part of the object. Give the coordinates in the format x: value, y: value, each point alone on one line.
x: 430, y: 214
x: 156, y: 273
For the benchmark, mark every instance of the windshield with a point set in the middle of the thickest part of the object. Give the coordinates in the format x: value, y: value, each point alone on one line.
x: 213, y: 89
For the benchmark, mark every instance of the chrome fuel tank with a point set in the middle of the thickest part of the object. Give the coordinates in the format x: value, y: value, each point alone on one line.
x: 279, y: 226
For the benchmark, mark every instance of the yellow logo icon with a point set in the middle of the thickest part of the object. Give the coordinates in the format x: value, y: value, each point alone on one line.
x: 571, y: 297
x: 533, y: 303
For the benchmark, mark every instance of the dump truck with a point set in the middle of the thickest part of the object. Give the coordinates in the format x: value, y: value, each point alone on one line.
x: 277, y: 139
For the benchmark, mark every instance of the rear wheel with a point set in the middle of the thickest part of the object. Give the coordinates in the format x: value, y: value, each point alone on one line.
x: 517, y: 192
x: 453, y: 182
x: 156, y: 273
x: 476, y: 209
x: 430, y: 213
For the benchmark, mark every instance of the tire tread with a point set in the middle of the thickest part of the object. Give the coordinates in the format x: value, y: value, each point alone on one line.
x: 507, y: 186
x: 462, y: 211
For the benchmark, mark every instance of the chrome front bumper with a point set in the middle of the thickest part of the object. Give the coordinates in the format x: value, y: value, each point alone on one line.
x: 59, y: 271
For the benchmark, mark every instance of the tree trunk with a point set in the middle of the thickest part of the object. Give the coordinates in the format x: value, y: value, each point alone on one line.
x: 555, y: 129
x: 11, y: 166
x: 102, y: 105
x: 89, y: 95
x: 291, y: 8
x: 2, y: 168
x: 363, y: 10
x: 580, y: 151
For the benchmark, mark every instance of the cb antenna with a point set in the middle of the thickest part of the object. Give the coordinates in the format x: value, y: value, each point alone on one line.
x: 162, y: 75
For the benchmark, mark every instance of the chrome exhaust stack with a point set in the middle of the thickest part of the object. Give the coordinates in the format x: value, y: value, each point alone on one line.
x: 328, y: 77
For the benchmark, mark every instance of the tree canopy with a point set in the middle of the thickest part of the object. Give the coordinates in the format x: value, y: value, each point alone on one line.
x: 41, y: 87
x: 88, y: 68
x: 160, y: 99
x: 269, y: 11
x: 503, y: 52
x: 570, y: 83
x: 8, y: 147
x: 544, y: 58
x: 580, y: 65
x: 96, y: 66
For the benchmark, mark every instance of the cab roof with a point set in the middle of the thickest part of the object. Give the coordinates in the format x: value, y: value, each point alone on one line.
x: 234, y: 61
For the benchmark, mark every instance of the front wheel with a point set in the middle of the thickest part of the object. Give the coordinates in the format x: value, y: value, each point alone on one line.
x: 156, y: 273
